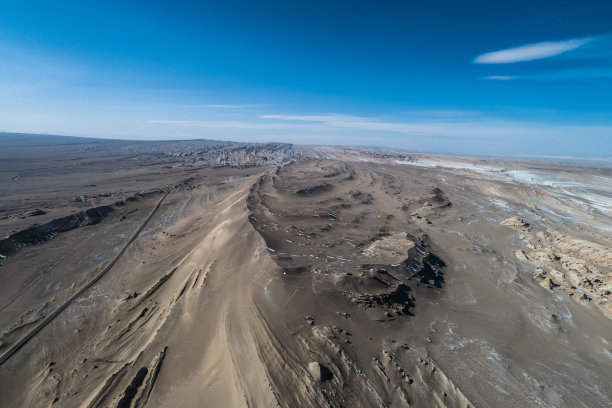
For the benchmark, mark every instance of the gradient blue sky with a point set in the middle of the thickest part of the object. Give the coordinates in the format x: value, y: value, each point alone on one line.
x: 479, y: 77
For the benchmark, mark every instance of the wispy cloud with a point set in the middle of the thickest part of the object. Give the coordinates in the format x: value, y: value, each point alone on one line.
x: 483, y: 128
x: 530, y: 52
x: 441, y: 113
x: 213, y: 106
x: 326, y: 118
x: 501, y: 77
x: 560, y: 75
x: 214, y: 124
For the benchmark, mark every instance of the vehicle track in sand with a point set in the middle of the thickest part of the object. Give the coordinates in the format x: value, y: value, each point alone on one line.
x: 60, y: 309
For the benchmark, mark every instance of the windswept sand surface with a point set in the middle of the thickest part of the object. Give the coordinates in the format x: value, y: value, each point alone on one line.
x: 208, y: 273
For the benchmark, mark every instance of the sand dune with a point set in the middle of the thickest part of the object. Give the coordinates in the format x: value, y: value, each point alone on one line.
x: 220, y: 274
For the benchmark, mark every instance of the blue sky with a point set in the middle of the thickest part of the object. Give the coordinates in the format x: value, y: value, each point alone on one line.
x: 478, y: 77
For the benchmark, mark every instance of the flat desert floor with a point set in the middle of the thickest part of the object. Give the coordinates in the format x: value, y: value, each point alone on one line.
x: 204, y: 273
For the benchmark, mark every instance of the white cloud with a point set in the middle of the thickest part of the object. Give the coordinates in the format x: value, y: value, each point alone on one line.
x: 329, y: 117
x: 213, y: 124
x: 441, y: 113
x: 222, y: 106
x: 484, y: 128
x: 557, y: 75
x: 500, y: 77
x: 530, y: 52
x: 218, y: 106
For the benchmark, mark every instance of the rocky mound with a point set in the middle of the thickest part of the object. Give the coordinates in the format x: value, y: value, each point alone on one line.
x: 515, y: 222
x: 43, y: 233
x: 389, y: 249
x: 579, y: 268
x: 317, y: 236
x: 40, y: 234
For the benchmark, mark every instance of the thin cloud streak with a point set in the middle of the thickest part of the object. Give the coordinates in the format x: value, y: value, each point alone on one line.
x: 317, y: 118
x: 561, y: 75
x: 487, y: 127
x: 530, y: 52
x: 500, y: 77
x: 218, y: 106
x: 211, y: 124
x: 221, y: 106
x: 483, y: 129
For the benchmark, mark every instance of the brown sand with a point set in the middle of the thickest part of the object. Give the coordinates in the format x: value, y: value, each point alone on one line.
x: 219, y: 274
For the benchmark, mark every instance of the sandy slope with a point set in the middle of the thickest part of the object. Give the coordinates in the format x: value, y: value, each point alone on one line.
x: 340, y: 279
x: 182, y: 304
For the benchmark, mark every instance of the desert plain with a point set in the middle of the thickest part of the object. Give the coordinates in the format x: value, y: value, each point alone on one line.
x: 206, y: 273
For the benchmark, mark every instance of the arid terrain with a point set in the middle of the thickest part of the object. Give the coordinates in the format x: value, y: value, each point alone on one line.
x: 205, y: 273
